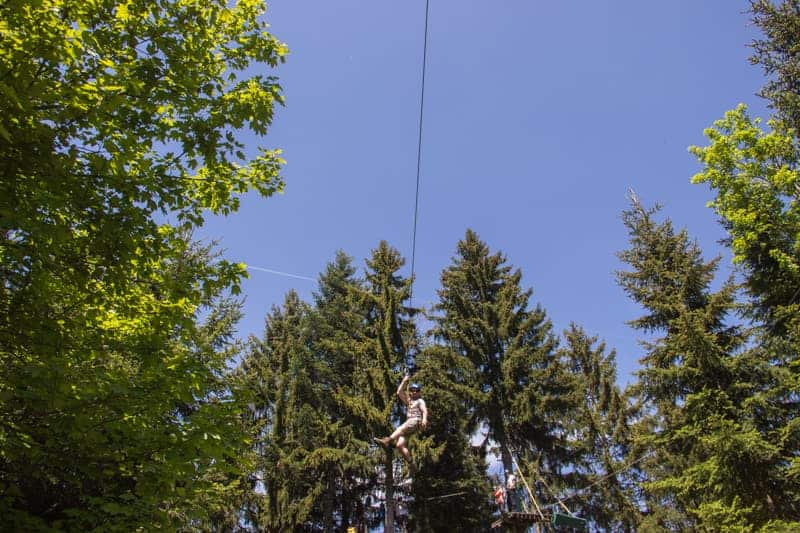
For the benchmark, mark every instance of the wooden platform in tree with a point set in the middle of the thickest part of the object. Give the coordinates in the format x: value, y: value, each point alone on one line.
x: 521, y: 521
x: 517, y: 520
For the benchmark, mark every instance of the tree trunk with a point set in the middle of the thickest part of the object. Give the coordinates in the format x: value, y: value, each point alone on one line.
x: 388, y: 522
x: 327, y: 508
x: 347, y: 504
x: 502, y: 440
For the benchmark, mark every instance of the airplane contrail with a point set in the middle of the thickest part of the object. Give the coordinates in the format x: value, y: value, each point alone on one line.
x: 279, y: 273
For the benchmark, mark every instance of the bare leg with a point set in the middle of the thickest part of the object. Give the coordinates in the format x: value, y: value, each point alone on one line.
x: 389, y: 441
x: 397, y: 433
x: 401, y: 446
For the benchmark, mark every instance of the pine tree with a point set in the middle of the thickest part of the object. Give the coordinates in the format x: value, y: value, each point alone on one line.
x: 390, y: 336
x: 226, y: 492
x: 776, y: 52
x: 483, y: 316
x: 294, y: 422
x: 597, y: 479
x: 326, y: 377
x: 710, y: 466
x: 343, y: 454
x: 453, y: 472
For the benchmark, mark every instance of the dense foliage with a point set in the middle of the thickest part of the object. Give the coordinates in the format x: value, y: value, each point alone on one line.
x: 115, y: 118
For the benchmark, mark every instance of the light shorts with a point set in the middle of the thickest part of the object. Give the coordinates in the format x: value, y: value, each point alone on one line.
x: 411, y: 426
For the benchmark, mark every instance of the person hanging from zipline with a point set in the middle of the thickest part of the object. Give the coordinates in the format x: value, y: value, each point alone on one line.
x: 416, y: 420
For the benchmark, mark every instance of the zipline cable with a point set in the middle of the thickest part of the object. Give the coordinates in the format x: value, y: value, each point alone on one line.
x: 624, y: 468
x: 419, y: 167
x: 419, y: 146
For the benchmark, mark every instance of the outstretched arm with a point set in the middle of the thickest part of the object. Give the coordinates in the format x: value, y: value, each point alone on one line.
x: 401, y: 389
x: 424, y: 409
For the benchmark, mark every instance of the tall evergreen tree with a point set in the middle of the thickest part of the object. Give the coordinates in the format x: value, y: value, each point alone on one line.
x: 326, y: 378
x: 776, y: 52
x: 225, y: 492
x: 294, y: 421
x: 453, y: 472
x: 483, y: 315
x: 710, y: 465
x: 596, y: 479
x: 338, y: 329
x: 390, y: 336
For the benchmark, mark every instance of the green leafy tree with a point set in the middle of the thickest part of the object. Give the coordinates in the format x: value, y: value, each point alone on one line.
x: 754, y: 176
x: 117, y: 114
x: 483, y: 316
x: 710, y: 466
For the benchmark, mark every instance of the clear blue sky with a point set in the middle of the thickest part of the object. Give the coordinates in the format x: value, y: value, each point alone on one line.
x: 538, y: 118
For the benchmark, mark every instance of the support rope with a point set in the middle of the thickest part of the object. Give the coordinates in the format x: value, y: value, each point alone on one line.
x: 527, y: 487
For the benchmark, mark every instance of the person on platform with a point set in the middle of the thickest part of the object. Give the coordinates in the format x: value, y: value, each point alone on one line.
x: 511, y: 492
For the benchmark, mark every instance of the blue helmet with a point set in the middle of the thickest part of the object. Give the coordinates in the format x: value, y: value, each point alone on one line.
x: 414, y: 387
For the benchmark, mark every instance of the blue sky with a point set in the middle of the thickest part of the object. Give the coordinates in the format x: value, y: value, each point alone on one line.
x: 539, y: 116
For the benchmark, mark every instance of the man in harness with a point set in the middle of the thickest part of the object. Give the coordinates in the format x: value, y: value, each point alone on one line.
x: 416, y: 420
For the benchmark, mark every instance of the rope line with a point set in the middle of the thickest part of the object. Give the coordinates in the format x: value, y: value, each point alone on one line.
x: 577, y: 492
x: 514, y: 462
x: 447, y: 495
x: 627, y: 466
x: 553, y: 494
x: 419, y: 145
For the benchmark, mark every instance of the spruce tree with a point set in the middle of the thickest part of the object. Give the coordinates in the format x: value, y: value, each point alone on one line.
x: 326, y: 377
x: 344, y: 457
x: 515, y: 389
x: 709, y: 465
x: 227, y: 491
x: 596, y: 480
x: 381, y: 356
x: 453, y: 471
x: 282, y: 366
x: 776, y: 52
